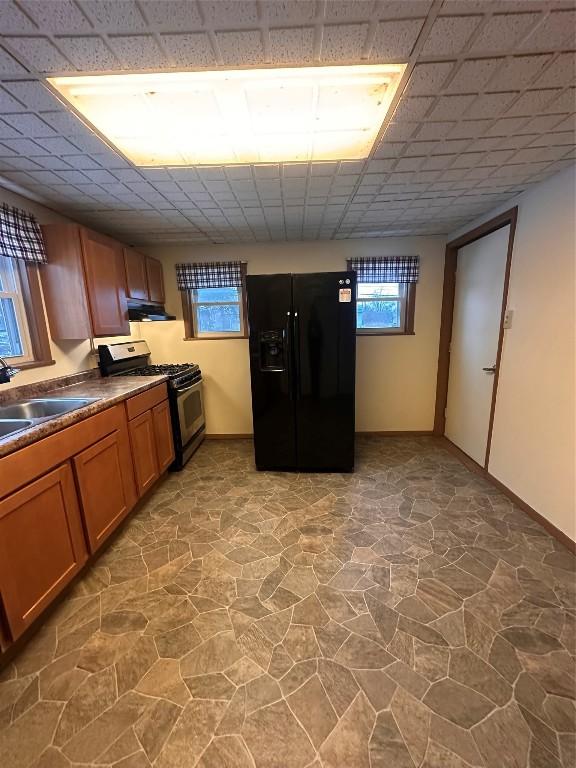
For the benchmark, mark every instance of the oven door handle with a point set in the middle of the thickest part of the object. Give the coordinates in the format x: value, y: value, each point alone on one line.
x: 187, y: 389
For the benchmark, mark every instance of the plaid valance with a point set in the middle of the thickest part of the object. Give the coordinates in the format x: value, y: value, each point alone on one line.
x: 386, y: 269
x: 20, y: 235
x: 210, y: 274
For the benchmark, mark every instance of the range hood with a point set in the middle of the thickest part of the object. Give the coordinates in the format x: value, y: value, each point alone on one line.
x: 148, y: 313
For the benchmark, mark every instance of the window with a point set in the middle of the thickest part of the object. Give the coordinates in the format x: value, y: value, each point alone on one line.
x: 23, y: 337
x: 15, y: 343
x: 218, y: 312
x: 213, y: 299
x: 385, y: 294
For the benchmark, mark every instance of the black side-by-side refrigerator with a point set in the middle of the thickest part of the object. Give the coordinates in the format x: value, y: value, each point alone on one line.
x: 302, y: 366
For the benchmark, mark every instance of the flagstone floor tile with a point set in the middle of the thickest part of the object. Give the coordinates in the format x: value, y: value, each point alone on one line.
x: 404, y: 615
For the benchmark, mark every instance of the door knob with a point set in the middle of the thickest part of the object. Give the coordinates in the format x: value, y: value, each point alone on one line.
x: 492, y: 369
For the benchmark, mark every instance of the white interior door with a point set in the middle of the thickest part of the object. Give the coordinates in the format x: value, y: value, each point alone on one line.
x: 480, y: 272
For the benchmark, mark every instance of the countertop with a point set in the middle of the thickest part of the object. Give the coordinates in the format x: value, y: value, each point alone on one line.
x: 109, y: 391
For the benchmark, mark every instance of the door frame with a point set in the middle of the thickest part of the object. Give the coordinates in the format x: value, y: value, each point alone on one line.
x: 508, y: 218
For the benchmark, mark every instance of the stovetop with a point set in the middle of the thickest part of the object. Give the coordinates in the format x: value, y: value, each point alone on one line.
x: 170, y: 370
x: 178, y: 374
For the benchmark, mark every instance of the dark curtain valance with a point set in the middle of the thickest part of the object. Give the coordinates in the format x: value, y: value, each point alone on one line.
x: 211, y: 274
x: 386, y: 269
x: 20, y: 235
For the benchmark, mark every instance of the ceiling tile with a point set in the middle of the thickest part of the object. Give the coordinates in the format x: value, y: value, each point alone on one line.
x: 291, y: 45
x: 396, y: 39
x: 289, y: 11
x: 228, y: 13
x: 241, y: 48
x: 138, y: 51
x: 88, y: 53
x: 502, y: 31
x: 554, y: 32
x: 451, y: 107
x: 429, y: 130
x: 29, y: 125
x: 14, y: 22
x: 189, y: 50
x: 343, y: 42
x: 8, y: 64
x: 490, y: 104
x: 518, y: 72
x: 115, y: 15
x: 40, y: 53
x: 449, y: 35
x: 472, y: 75
x: 411, y: 109
x: 532, y: 102
x: 391, y: 9
x: 560, y: 72
x: 33, y: 94
x: 172, y: 14
x: 427, y: 79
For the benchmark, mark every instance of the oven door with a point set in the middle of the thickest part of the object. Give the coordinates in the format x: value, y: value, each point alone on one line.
x: 190, y: 411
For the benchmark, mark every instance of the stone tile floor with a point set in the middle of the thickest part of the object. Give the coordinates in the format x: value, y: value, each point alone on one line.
x: 406, y: 615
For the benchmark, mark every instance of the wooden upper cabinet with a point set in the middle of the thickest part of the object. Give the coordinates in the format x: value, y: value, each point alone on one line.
x: 63, y: 283
x: 42, y: 546
x: 136, y: 276
x: 84, y: 283
x: 104, y: 270
x: 155, y: 280
x: 106, y: 485
x: 163, y: 435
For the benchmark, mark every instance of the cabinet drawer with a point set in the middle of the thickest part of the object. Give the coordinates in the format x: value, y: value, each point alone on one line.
x: 106, y: 485
x: 41, y: 546
x: 145, y: 401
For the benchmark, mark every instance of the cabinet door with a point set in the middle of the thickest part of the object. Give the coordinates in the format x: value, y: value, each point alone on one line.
x: 106, y: 484
x: 163, y: 435
x: 144, y: 451
x: 155, y: 280
x: 104, y: 270
x: 136, y: 278
x: 41, y: 546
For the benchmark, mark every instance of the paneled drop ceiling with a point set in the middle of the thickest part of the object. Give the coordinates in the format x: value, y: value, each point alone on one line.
x: 488, y: 110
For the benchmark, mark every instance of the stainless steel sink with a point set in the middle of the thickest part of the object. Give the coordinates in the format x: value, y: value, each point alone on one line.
x: 45, y: 408
x: 28, y: 413
x: 9, y: 426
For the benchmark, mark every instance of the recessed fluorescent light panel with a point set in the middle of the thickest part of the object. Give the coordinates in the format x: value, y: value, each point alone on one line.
x: 237, y: 116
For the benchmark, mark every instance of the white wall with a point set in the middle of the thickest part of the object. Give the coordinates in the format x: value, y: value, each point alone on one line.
x: 69, y: 356
x: 533, y: 448
x: 396, y: 376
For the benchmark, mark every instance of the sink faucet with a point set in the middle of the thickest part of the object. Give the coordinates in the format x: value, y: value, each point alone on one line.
x: 6, y: 372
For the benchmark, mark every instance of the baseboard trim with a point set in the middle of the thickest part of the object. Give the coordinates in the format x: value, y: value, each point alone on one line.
x: 384, y: 433
x: 530, y: 511
x: 397, y: 433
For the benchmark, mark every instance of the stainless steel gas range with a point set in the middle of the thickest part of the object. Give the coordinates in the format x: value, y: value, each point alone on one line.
x: 184, y: 391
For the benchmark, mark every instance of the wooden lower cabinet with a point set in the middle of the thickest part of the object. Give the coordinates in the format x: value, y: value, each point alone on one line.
x: 143, y: 451
x: 106, y: 485
x: 42, y: 546
x: 163, y: 435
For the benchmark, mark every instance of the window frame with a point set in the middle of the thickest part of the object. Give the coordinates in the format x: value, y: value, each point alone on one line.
x: 408, y: 304
x: 189, y: 314
x: 36, y: 333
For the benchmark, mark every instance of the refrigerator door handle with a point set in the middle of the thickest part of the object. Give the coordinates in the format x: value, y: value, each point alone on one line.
x: 288, y: 353
x: 297, y: 383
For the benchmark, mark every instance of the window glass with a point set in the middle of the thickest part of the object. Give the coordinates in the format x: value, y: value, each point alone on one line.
x: 218, y: 311
x: 14, y: 336
x: 380, y: 307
